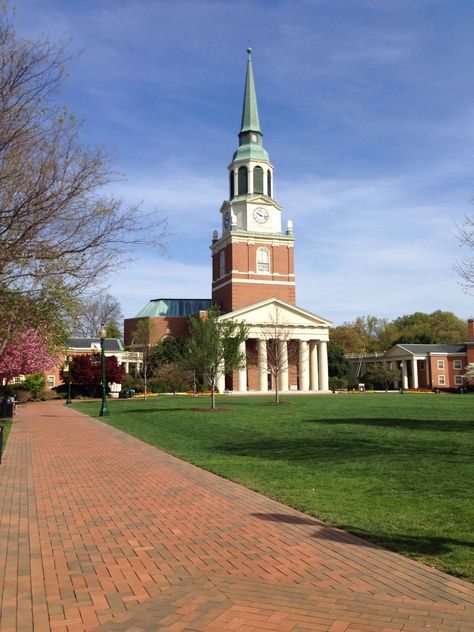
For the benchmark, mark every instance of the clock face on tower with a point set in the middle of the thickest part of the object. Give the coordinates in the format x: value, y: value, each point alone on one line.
x: 226, y: 219
x: 260, y: 215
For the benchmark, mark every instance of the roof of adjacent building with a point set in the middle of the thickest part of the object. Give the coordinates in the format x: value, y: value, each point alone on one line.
x: 174, y: 307
x: 426, y: 348
x: 86, y: 344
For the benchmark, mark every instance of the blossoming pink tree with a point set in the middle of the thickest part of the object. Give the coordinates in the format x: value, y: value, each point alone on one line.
x: 25, y: 354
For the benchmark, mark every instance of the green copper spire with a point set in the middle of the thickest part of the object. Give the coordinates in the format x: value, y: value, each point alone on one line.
x: 250, y: 135
x: 250, y: 122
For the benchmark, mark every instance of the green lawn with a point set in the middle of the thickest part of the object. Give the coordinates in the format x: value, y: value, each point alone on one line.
x: 398, y: 470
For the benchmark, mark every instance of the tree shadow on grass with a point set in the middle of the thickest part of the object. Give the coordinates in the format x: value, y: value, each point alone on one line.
x: 399, y: 542
x: 437, y: 425
x: 142, y: 411
x: 341, y: 448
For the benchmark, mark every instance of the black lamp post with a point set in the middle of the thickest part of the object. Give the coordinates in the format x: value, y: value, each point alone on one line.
x: 104, y: 411
x: 69, y: 379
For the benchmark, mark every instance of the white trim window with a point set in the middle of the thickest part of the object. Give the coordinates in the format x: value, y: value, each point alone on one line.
x: 422, y: 365
x: 440, y: 364
x: 222, y: 263
x: 441, y: 379
x: 457, y: 364
x: 458, y: 380
x: 51, y: 381
x: 263, y: 261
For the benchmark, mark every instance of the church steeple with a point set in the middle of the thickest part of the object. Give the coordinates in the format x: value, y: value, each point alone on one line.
x: 250, y: 135
x: 250, y: 120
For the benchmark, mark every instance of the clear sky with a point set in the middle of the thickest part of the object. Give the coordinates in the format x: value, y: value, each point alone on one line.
x: 367, y: 111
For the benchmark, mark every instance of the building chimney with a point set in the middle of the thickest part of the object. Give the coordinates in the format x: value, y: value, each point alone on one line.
x: 470, y: 329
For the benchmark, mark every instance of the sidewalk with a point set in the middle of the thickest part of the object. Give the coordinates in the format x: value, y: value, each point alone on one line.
x: 99, y: 531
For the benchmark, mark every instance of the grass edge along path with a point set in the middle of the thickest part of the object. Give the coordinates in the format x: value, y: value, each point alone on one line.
x: 395, y: 470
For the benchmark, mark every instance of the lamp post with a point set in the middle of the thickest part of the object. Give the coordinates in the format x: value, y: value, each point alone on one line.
x: 104, y: 411
x: 69, y: 379
x: 401, y: 378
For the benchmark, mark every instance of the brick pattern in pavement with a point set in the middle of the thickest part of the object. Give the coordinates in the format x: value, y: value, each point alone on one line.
x: 99, y: 531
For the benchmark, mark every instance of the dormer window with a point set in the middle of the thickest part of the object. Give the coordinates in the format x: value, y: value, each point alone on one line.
x: 243, y: 181
x: 258, y: 180
x: 263, y: 261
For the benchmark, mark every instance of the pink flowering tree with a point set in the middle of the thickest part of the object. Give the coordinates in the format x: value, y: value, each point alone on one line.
x: 26, y: 353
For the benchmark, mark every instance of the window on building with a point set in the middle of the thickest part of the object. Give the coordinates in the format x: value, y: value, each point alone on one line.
x: 458, y: 380
x: 269, y: 183
x: 222, y: 263
x: 243, y: 180
x: 258, y: 180
x: 458, y: 364
x: 51, y: 381
x: 422, y: 365
x: 440, y: 364
x: 441, y: 379
x: 231, y: 185
x: 263, y: 261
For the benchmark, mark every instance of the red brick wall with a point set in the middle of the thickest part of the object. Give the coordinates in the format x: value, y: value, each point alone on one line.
x: 163, y: 326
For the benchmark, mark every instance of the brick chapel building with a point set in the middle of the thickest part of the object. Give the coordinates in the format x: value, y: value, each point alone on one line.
x: 253, y: 277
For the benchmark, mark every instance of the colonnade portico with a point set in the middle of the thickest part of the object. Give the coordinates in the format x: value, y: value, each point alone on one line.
x: 311, y: 363
x: 282, y: 340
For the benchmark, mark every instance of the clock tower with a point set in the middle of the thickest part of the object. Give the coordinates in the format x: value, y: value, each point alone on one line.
x: 252, y: 259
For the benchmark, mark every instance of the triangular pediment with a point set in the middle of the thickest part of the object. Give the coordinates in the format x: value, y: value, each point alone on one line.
x: 276, y: 311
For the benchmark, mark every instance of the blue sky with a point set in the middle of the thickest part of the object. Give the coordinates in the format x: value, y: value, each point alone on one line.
x: 367, y: 111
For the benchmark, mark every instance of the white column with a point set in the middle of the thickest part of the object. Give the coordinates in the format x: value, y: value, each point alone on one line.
x: 126, y: 367
x: 313, y: 366
x: 414, y: 372
x: 242, y: 373
x: 427, y: 370
x: 262, y: 365
x: 404, y: 374
x: 303, y: 366
x: 323, y: 366
x: 283, y: 365
x: 220, y: 379
x: 250, y: 180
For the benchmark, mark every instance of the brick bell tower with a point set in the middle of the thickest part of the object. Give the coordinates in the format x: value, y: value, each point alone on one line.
x: 252, y: 259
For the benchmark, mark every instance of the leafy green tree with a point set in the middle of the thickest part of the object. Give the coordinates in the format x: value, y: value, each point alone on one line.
x: 380, y: 374
x: 169, y: 350
x: 338, y: 366
x: 213, y: 345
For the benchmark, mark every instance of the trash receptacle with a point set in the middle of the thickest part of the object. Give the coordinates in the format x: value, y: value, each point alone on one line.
x: 132, y: 392
x: 125, y: 394
x: 7, y: 408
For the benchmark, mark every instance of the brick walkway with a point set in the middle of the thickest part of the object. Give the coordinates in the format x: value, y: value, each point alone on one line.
x: 99, y: 531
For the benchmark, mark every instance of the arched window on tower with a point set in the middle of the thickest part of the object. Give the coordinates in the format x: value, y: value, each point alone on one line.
x: 263, y: 261
x: 269, y: 183
x: 243, y: 181
x: 222, y: 263
x: 258, y: 180
x: 231, y: 184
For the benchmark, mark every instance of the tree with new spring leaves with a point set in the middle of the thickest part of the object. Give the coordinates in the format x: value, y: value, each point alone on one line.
x: 214, y: 346
x: 144, y: 337
x: 56, y: 222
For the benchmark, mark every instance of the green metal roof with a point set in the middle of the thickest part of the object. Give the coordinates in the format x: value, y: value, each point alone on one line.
x: 174, y: 307
x: 250, y: 121
x: 250, y: 152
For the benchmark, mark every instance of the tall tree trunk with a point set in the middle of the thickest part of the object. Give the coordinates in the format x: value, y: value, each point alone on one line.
x: 277, y: 394
x: 213, y: 396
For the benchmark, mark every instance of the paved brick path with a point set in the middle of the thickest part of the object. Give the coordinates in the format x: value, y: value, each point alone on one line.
x: 99, y: 531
